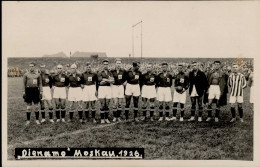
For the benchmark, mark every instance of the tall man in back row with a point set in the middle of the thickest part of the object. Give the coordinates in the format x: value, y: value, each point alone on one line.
x: 32, y: 92
x: 133, y: 78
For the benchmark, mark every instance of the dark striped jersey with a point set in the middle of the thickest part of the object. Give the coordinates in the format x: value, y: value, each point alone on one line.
x: 148, y: 79
x: 104, y: 75
x: 164, y: 80
x: 75, y: 80
x: 89, y: 78
x: 120, y: 76
x: 60, y: 80
x: 133, y: 77
x: 237, y: 83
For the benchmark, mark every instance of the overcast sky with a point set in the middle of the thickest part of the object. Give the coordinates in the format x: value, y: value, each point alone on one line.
x: 170, y: 29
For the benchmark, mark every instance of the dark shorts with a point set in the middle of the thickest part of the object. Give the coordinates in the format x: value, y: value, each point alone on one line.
x: 32, y: 95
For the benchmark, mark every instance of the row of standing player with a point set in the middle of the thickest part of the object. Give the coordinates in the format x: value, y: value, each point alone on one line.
x: 119, y: 84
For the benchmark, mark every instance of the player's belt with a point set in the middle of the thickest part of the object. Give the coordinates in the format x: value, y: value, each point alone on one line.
x: 164, y: 86
x: 215, y: 84
x: 45, y: 86
x: 59, y: 86
x: 89, y: 85
x: 75, y: 86
x: 133, y: 84
x: 32, y: 86
x: 117, y: 84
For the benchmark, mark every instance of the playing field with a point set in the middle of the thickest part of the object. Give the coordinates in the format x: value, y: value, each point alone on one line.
x: 160, y: 140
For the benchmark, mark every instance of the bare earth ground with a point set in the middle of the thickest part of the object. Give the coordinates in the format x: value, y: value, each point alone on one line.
x: 164, y: 141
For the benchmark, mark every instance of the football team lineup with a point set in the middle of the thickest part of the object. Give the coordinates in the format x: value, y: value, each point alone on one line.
x: 81, y: 90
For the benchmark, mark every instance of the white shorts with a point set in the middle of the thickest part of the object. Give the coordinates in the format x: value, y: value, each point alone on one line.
x: 252, y: 93
x: 148, y: 91
x: 104, y: 92
x: 234, y: 99
x: 117, y: 91
x: 164, y: 94
x: 214, y: 92
x: 59, y: 93
x: 89, y: 93
x: 179, y: 98
x: 132, y: 90
x: 46, y: 93
x: 75, y: 94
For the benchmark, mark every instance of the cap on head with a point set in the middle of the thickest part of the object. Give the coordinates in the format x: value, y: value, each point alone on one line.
x: 217, y: 62
x: 73, y: 66
x: 135, y: 63
x: 118, y: 59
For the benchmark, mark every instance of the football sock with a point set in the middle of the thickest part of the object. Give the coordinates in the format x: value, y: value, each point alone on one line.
x: 119, y: 112
x: 233, y: 112
x: 126, y: 113
x: 200, y: 112
x: 144, y: 111
x: 106, y: 115
x: 182, y: 112
x: 174, y: 112
x: 37, y: 115
x: 167, y: 114
x: 102, y: 114
x: 50, y: 115
x: 115, y: 112
x: 43, y: 114
x: 58, y: 114
x: 93, y: 113
x: 87, y: 114
x: 135, y: 113
x: 209, y: 112
x: 63, y: 113
x: 80, y: 114
x: 161, y: 114
x: 192, y: 112
x: 151, y: 111
x: 217, y: 112
x: 240, y: 110
x: 71, y: 115
x: 28, y: 115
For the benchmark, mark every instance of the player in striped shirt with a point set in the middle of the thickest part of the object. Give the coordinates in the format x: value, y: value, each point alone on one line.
x: 237, y: 83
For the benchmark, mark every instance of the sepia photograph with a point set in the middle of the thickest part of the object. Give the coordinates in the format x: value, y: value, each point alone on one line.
x: 130, y: 83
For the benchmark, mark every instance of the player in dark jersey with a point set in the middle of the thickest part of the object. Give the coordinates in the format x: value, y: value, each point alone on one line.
x: 75, y: 93
x: 32, y: 92
x: 46, y: 96
x: 181, y: 84
x: 60, y: 82
x: 90, y: 88
x: 164, y: 96
x: 133, y: 77
x: 118, y: 89
x: 105, y: 79
x: 217, y: 83
x: 148, y: 85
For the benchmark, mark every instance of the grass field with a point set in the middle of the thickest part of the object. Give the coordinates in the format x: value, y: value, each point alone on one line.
x: 164, y: 141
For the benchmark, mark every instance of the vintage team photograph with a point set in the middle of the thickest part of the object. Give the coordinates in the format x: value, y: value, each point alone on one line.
x: 129, y: 80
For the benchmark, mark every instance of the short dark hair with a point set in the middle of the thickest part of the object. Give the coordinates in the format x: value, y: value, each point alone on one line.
x: 105, y: 61
x: 217, y: 62
x: 32, y: 63
x: 135, y: 63
x: 164, y: 63
x: 194, y: 62
x: 180, y: 65
x: 87, y: 64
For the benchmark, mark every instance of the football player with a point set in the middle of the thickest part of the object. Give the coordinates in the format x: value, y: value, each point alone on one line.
x: 60, y: 82
x: 181, y: 84
x: 75, y: 93
x: 237, y: 83
x: 90, y: 88
x: 216, y: 82
x: 164, y: 83
x: 133, y: 77
x: 32, y: 92
x: 148, y: 82
x: 46, y: 96
x: 118, y: 90
x: 198, y: 86
x: 105, y: 79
